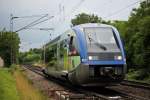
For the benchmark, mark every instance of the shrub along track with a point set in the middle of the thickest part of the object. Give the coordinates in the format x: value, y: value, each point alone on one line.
x: 25, y: 88
x: 86, y: 93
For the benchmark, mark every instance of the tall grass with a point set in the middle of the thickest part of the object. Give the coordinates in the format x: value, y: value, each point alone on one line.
x: 25, y: 88
x: 8, y: 89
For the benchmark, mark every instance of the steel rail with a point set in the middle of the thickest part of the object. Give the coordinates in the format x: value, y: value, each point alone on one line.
x: 136, y: 84
x: 85, y: 93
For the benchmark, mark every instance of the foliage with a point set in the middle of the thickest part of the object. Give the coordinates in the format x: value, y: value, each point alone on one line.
x: 53, y: 63
x: 136, y: 35
x: 85, y: 18
x: 8, y: 89
x: 13, y: 68
x: 25, y: 89
x: 36, y: 55
x: 135, y: 75
x: 121, y: 26
x: 50, y: 53
x: 36, y: 50
x: 9, y: 45
x: 33, y: 55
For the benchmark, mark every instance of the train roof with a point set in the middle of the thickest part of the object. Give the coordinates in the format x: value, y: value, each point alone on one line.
x: 81, y: 26
x: 92, y: 25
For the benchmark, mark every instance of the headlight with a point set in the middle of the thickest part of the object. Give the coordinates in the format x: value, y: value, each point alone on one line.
x: 118, y: 57
x: 90, y: 57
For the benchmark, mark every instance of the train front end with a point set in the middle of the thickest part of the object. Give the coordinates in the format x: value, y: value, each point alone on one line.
x: 102, y: 55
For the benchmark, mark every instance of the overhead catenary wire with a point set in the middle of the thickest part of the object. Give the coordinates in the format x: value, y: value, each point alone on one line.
x: 120, y: 10
x: 62, y: 14
x: 35, y: 22
x: 31, y: 16
x: 32, y: 23
x: 39, y: 22
x: 76, y: 7
x: 40, y: 28
x: 112, y: 14
x: 62, y: 8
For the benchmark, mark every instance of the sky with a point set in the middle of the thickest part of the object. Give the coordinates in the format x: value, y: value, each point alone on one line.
x: 62, y: 10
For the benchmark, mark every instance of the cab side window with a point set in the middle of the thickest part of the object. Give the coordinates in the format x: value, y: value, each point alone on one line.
x: 72, y: 47
x: 71, y: 44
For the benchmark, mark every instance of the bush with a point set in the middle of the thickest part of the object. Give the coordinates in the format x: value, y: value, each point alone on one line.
x: 8, y: 89
x: 13, y: 68
x: 52, y: 63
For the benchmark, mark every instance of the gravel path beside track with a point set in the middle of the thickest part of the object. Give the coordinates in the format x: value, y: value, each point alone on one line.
x: 50, y: 88
x: 47, y: 87
x: 132, y: 90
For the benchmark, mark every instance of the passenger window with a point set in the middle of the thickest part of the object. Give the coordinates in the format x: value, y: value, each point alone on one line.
x: 61, y: 50
x: 71, y: 44
x: 72, y: 49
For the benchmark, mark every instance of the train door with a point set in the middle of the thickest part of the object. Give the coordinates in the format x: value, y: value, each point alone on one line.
x: 63, y: 55
x: 73, y: 52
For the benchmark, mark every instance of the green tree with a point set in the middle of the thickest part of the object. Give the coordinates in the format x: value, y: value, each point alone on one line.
x: 86, y: 18
x: 135, y: 33
x: 33, y: 55
x: 121, y: 26
x: 9, y: 47
x: 49, y: 54
x: 137, y: 36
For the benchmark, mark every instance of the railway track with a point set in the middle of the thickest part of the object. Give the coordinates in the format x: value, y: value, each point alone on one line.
x: 82, y: 93
x: 136, y: 84
x: 36, y: 69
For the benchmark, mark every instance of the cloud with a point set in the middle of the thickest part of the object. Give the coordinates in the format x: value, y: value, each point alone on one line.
x: 34, y: 7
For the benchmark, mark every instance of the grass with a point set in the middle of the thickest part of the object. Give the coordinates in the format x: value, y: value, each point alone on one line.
x: 39, y: 64
x: 14, y: 85
x: 25, y: 88
x: 8, y: 89
x: 134, y: 74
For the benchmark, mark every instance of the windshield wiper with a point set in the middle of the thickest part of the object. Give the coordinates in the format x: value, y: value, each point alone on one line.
x: 97, y: 43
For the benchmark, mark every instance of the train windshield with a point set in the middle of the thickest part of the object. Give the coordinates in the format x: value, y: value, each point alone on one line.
x: 100, y: 39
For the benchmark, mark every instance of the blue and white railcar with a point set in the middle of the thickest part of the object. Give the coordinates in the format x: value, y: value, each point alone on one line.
x: 89, y: 55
